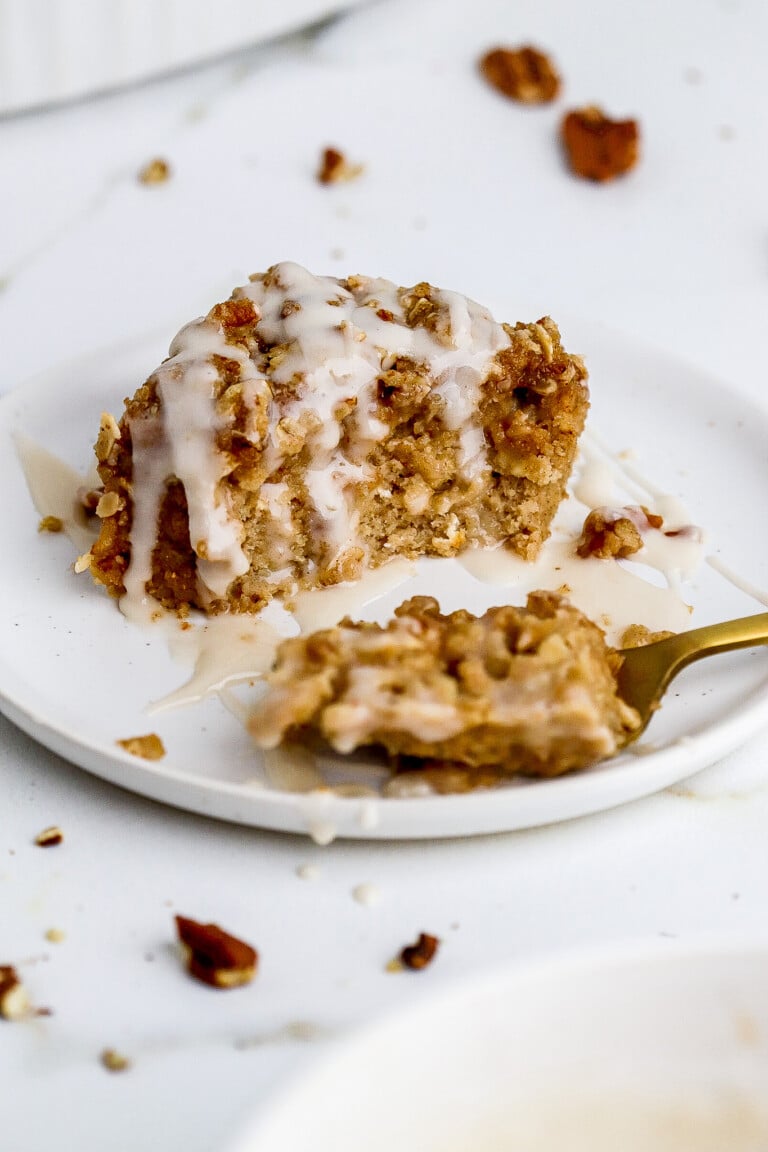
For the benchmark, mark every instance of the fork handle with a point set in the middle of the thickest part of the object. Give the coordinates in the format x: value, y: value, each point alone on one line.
x: 746, y: 632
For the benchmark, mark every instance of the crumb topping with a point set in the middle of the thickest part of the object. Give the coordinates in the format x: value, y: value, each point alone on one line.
x: 615, y: 533
x: 149, y: 747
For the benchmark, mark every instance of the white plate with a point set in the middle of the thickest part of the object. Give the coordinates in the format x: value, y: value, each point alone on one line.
x: 77, y: 676
x: 650, y: 1049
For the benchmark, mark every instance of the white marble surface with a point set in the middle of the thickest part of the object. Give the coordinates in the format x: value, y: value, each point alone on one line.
x: 468, y: 191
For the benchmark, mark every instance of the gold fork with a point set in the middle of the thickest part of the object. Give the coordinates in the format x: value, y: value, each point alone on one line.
x: 646, y: 672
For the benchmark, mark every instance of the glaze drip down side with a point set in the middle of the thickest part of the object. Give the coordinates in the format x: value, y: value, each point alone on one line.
x: 310, y: 428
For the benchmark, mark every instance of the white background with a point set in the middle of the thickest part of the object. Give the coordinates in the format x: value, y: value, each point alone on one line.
x: 468, y: 191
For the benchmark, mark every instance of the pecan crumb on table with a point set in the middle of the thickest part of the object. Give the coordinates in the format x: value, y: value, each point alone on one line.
x: 14, y: 1002
x: 114, y: 1061
x: 524, y: 74
x: 49, y: 837
x: 336, y: 169
x: 597, y: 147
x: 421, y: 954
x: 157, y: 171
x: 214, y: 957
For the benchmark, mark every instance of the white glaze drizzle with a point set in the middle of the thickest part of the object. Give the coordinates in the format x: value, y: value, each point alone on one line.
x: 606, y: 591
x: 407, y: 786
x: 290, y: 768
x: 368, y: 817
x: 600, y: 476
x: 322, y: 832
x: 227, y: 650
x: 366, y: 894
x: 54, y: 487
x: 149, y: 462
x: 339, y: 340
x: 180, y: 441
x: 185, y: 387
x: 314, y: 807
x: 324, y: 607
x: 335, y: 341
x: 746, y: 586
x: 234, y: 648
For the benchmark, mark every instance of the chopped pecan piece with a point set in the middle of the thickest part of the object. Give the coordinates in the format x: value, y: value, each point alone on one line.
x: 49, y: 837
x: 610, y: 532
x: 148, y: 747
x: 157, y: 171
x: 234, y: 314
x: 114, y: 1061
x: 215, y: 957
x: 607, y: 534
x: 13, y: 996
x: 597, y: 147
x: 524, y: 74
x: 422, y: 953
x: 637, y: 635
x: 335, y: 168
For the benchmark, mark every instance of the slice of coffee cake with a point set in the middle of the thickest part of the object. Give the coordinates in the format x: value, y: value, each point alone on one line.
x: 309, y: 428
